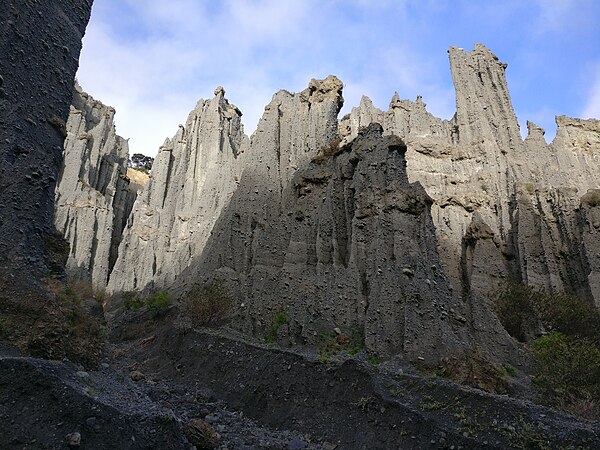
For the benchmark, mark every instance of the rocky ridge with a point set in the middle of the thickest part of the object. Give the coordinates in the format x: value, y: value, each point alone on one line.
x: 344, y: 236
x: 93, y: 195
x: 502, y: 207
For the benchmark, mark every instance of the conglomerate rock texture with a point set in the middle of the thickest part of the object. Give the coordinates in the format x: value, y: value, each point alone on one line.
x: 40, y: 43
x: 502, y: 207
x: 400, y: 233
x: 93, y: 196
x: 349, y: 243
x: 196, y: 173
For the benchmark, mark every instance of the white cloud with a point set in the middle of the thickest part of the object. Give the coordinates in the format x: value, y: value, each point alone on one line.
x: 592, y: 106
x: 153, y: 60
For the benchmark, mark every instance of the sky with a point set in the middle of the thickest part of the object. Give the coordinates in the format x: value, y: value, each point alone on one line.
x: 154, y: 59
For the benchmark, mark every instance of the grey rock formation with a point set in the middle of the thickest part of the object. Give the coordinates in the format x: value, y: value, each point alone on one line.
x: 93, y: 196
x: 344, y: 237
x: 502, y: 207
x: 350, y: 245
x: 40, y: 44
x: 196, y: 173
x: 193, y: 178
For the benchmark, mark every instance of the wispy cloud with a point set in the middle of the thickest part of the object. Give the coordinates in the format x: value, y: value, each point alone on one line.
x: 592, y: 106
x: 153, y: 60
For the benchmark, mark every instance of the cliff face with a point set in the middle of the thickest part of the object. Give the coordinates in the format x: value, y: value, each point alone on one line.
x: 196, y: 173
x: 502, y: 207
x: 401, y: 233
x: 193, y: 178
x: 349, y: 244
x: 93, y: 196
x: 40, y: 47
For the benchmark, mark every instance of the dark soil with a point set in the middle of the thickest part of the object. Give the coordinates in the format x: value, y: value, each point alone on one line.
x: 348, y: 404
x: 256, y: 397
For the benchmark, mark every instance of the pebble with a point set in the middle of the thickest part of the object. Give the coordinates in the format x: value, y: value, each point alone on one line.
x: 74, y: 439
x: 297, y: 444
x: 136, y: 375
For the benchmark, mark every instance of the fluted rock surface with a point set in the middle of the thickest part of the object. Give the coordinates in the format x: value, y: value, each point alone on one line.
x: 93, y: 196
x: 502, y: 207
x: 350, y: 245
x: 193, y: 178
x: 196, y: 173
x: 40, y: 47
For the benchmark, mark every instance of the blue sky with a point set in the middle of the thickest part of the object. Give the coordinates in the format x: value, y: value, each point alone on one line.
x: 153, y: 59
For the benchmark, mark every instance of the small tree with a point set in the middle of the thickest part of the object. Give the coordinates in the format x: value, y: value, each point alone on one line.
x: 141, y: 162
x: 208, y: 304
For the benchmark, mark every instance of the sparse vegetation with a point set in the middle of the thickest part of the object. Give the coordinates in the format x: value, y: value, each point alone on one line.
x: 430, y: 404
x: 374, y: 359
x: 568, y: 358
x: 474, y: 369
x: 529, y: 188
x: 328, y: 151
x: 525, y: 436
x: 208, y: 305
x: 159, y: 302
x: 71, y: 326
x: 568, y: 373
x: 363, y: 403
x: 525, y: 312
x: 132, y: 300
x: 280, y: 319
x: 510, y: 370
x: 332, y: 343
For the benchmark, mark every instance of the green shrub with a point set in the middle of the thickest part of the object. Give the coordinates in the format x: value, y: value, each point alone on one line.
x: 474, y: 369
x: 132, y: 300
x: 514, y: 306
x: 374, y: 359
x: 280, y: 319
x: 159, y: 302
x: 331, y: 343
x: 510, y: 370
x: 525, y: 311
x: 207, y: 305
x: 569, y: 314
x: 568, y: 372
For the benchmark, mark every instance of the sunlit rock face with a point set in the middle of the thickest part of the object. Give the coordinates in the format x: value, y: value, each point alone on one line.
x: 93, y: 196
x: 502, y: 206
x: 400, y: 232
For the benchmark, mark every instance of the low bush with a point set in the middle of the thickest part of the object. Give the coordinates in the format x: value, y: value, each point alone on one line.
x: 474, y: 369
x: 525, y: 312
x: 514, y: 306
x: 132, y: 300
x: 568, y: 373
x: 208, y: 304
x: 71, y: 325
x: 332, y: 343
x: 159, y: 302
x: 280, y: 319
